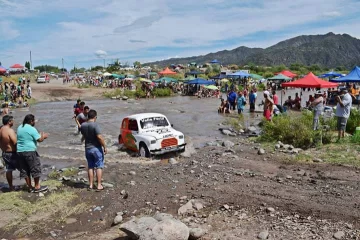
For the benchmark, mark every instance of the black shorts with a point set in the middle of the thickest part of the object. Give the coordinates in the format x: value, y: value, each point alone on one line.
x: 11, y: 161
x: 29, y: 164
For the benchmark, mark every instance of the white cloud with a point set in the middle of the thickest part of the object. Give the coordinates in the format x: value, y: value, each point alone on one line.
x: 332, y: 14
x: 8, y: 31
x: 133, y: 26
x: 101, y: 53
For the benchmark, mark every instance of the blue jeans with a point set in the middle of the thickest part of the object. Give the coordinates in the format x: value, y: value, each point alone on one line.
x: 94, y: 157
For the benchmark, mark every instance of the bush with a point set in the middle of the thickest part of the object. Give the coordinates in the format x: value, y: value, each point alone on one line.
x: 162, y: 92
x: 261, y: 87
x: 296, y: 130
x: 353, y: 121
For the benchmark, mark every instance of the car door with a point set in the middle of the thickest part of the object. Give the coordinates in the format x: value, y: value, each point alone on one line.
x: 130, y: 136
x: 123, y: 131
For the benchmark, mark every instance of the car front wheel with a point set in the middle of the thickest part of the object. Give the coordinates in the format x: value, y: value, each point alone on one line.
x: 144, y: 151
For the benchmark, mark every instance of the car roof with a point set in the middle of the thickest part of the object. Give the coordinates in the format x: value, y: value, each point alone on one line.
x: 145, y: 115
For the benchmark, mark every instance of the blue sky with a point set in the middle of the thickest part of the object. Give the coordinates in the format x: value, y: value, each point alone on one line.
x: 84, y: 32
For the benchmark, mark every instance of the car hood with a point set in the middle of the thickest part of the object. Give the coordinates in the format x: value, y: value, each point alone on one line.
x: 160, y: 133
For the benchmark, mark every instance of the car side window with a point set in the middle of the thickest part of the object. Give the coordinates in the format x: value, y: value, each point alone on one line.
x: 123, y: 126
x: 133, y: 126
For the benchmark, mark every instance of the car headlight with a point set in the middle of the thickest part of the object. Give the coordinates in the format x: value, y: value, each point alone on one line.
x: 181, y: 136
x: 153, y: 142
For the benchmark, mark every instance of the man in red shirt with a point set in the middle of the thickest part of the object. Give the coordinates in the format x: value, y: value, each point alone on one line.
x: 275, y: 97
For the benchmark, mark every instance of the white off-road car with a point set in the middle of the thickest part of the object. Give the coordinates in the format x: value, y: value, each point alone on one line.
x: 150, y: 134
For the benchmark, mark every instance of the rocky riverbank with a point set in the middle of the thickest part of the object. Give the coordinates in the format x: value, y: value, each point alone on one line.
x: 225, y: 191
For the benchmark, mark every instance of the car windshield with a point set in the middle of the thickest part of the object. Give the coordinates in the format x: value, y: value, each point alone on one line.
x: 152, y: 122
x: 42, y: 76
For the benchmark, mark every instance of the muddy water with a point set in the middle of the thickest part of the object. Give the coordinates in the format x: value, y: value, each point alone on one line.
x: 196, y: 118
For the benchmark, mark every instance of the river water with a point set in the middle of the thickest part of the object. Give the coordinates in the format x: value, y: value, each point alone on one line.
x: 196, y: 118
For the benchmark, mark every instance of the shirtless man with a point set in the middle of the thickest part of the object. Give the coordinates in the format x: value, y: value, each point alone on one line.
x: 5, y: 110
x: 8, y: 142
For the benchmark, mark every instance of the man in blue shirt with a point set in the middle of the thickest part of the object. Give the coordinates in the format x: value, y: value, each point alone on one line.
x: 232, y: 99
x: 252, y: 100
x: 29, y: 159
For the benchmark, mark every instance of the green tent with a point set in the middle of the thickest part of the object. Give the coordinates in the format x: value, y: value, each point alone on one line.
x: 0, y: 79
x: 152, y: 73
x: 280, y: 77
x: 188, y: 78
x: 119, y: 76
x: 165, y: 79
x: 256, y: 76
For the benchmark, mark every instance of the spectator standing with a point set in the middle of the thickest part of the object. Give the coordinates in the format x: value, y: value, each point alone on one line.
x: 8, y: 146
x: 318, y: 105
x: 343, y: 108
x: 95, y: 149
x: 29, y: 159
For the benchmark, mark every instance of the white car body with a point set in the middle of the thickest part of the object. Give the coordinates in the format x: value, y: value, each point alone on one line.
x: 41, y: 79
x: 157, y: 139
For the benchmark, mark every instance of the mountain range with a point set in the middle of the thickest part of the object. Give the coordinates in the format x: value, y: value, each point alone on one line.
x: 329, y: 50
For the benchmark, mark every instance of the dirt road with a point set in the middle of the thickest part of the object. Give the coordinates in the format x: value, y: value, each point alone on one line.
x: 57, y: 91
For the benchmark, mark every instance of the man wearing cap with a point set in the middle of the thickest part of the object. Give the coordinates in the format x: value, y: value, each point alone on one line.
x: 318, y: 105
x: 343, y: 108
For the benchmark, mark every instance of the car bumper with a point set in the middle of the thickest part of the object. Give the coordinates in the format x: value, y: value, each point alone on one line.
x: 168, y: 149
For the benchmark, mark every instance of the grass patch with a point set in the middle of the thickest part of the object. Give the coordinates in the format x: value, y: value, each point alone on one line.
x: 32, y: 216
x: 55, y: 174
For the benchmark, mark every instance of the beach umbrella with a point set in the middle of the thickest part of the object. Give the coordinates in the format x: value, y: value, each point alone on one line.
x: 17, y: 66
x: 145, y: 80
x: 224, y: 80
x: 211, y: 87
x: 165, y: 79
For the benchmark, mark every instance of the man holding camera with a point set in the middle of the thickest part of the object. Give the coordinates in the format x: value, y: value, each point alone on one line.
x: 343, y: 108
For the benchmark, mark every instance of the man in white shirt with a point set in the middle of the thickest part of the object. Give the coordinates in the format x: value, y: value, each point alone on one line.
x: 343, y: 107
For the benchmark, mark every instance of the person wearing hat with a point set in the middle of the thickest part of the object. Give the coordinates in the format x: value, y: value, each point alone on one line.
x: 268, y: 105
x: 318, y: 105
x: 343, y: 108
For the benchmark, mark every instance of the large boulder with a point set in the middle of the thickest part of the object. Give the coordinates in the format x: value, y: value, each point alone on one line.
x: 148, y: 228
x: 228, y: 144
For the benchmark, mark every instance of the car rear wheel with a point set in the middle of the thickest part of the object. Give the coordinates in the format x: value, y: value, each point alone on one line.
x: 144, y: 151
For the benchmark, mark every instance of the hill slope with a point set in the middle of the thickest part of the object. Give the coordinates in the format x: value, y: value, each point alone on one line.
x: 329, y: 50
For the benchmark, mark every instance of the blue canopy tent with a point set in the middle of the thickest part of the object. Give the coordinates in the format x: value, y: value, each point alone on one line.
x: 330, y: 75
x: 353, y: 76
x: 215, y: 61
x: 239, y: 74
x: 200, y: 81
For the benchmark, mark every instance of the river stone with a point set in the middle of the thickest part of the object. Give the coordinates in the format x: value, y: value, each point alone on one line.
x: 148, y: 228
x: 317, y: 160
x: 263, y: 235
x: 339, y: 235
x: 228, y: 144
x: 118, y: 219
x: 277, y: 146
x: 196, y: 233
x: 107, y: 185
x: 226, y: 132
x: 261, y: 151
x: 139, y: 228
x: 125, y: 98
x: 172, y: 161
x: 191, y: 205
x: 170, y: 229
x: 162, y: 216
x: 251, y: 129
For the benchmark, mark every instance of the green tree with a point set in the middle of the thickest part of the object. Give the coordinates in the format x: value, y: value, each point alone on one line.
x: 47, y: 68
x: 27, y: 65
x: 137, y: 64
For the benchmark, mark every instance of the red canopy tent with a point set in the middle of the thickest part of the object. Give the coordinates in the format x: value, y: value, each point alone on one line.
x: 310, y: 81
x: 17, y: 66
x: 167, y: 71
x: 287, y: 73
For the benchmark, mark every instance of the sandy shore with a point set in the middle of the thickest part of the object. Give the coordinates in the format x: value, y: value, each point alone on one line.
x: 57, y: 91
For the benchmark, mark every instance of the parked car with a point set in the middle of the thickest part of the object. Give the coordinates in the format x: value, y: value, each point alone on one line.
x: 150, y: 134
x: 43, y: 79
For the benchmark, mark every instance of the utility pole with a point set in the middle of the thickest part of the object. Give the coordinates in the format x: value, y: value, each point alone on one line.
x: 30, y: 62
x: 104, y: 63
x: 62, y: 62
